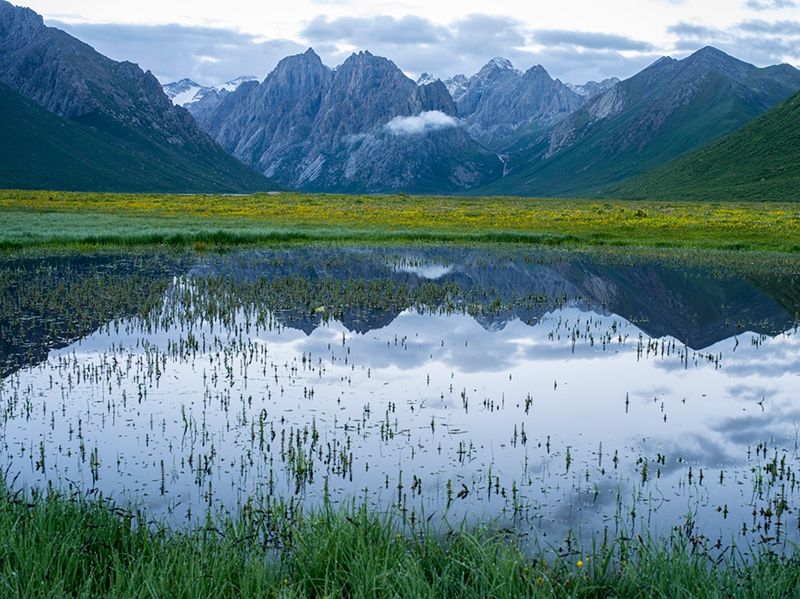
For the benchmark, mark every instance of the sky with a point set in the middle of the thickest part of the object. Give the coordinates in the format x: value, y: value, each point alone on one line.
x: 212, y: 41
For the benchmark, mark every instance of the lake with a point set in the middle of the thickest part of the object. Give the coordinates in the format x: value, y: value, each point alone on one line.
x: 554, y: 394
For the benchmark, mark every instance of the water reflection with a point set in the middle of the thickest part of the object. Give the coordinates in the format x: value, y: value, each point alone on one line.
x: 546, y: 394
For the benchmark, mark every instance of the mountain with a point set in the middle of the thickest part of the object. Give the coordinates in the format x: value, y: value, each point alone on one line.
x: 591, y: 88
x: 426, y: 79
x: 42, y: 150
x: 363, y: 127
x: 758, y: 162
x: 186, y: 91
x: 671, y: 107
x: 499, y: 99
x: 457, y: 86
x: 110, y: 103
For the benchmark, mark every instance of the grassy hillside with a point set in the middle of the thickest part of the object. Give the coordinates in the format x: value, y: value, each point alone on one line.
x: 40, y: 150
x: 668, y: 109
x: 759, y: 162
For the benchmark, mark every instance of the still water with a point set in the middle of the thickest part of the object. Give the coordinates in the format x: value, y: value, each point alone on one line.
x: 551, y: 394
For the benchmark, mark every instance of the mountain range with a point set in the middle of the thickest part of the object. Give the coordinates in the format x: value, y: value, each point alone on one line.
x: 84, y: 121
x: 669, y: 108
x: 364, y: 126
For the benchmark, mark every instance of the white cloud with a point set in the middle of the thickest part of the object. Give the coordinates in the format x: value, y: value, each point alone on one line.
x: 574, y: 40
x: 770, y: 4
x: 424, y: 122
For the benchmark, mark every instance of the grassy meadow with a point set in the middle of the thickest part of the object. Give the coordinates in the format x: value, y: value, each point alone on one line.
x: 36, y: 219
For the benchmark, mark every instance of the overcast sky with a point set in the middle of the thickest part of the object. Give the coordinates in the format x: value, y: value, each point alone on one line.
x: 212, y: 41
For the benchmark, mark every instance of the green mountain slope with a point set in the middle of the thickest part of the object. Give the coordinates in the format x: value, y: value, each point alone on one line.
x: 759, y: 162
x: 41, y: 150
x: 668, y: 109
x: 123, y: 129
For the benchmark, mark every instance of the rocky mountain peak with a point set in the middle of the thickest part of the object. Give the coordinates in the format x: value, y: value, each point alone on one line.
x: 499, y: 64
x: 712, y: 53
x: 365, y: 73
x: 710, y: 58
x: 499, y: 98
x: 183, y: 84
x: 457, y: 86
x: 434, y: 96
x: 365, y: 58
x: 308, y: 59
x: 537, y: 72
x: 18, y: 17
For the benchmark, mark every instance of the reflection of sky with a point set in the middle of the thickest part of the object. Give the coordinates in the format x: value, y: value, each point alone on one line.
x: 425, y: 271
x: 454, y: 396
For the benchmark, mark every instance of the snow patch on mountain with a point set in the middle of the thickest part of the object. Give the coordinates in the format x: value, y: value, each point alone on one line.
x: 186, y: 92
x: 233, y: 85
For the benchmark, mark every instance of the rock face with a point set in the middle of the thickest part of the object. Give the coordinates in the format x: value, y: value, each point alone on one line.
x: 364, y: 126
x: 72, y: 80
x: 669, y: 108
x: 591, y: 88
x: 499, y: 99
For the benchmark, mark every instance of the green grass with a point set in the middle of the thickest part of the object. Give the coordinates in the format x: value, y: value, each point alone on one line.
x: 42, y: 150
x: 39, y: 219
x: 55, y: 547
x: 760, y: 161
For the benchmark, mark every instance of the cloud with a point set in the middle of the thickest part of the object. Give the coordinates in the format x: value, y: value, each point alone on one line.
x: 769, y: 4
x: 465, y: 44
x: 209, y: 55
x: 212, y: 55
x: 779, y: 28
x: 366, y: 31
x: 424, y: 122
x: 591, y: 40
x: 760, y: 42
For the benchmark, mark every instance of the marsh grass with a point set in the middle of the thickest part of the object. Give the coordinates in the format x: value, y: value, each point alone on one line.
x: 54, y: 546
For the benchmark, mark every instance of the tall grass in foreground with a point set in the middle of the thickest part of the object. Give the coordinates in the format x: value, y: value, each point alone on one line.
x: 56, y: 547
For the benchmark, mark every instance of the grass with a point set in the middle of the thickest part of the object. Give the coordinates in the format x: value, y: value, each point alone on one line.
x: 45, y: 150
x: 37, y: 219
x: 761, y: 160
x: 58, y: 547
